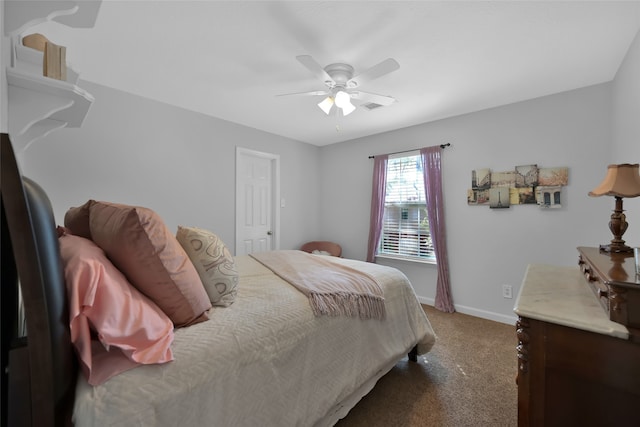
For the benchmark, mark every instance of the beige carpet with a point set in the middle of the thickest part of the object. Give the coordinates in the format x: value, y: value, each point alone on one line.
x: 467, y: 379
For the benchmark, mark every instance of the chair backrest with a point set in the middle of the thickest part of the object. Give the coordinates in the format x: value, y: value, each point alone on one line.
x: 320, y: 245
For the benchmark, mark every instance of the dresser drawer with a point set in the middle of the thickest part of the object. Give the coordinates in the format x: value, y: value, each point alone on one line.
x: 595, y: 283
x: 612, y: 278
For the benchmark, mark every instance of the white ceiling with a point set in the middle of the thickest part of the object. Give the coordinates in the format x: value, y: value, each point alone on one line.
x: 229, y: 59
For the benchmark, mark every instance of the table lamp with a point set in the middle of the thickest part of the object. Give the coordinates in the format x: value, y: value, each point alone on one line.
x: 621, y: 181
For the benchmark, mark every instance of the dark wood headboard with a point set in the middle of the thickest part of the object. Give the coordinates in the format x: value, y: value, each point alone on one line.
x: 39, y: 370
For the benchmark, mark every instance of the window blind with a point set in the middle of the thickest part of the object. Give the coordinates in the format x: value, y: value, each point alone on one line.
x: 405, y: 229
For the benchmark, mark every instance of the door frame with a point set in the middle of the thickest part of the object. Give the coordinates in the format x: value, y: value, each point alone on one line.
x: 275, y: 194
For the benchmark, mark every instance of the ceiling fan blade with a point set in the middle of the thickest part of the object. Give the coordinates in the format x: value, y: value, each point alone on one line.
x: 312, y: 93
x: 385, y: 67
x: 372, y: 97
x: 316, y: 69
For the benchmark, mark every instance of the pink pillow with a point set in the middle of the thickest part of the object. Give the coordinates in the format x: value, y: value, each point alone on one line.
x: 130, y: 329
x: 141, y: 246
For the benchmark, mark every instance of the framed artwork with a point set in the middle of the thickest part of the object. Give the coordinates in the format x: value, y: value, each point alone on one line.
x: 553, y: 177
x: 526, y: 176
x: 503, y: 179
x: 499, y: 197
x: 549, y: 197
x: 525, y: 185
x: 481, y: 179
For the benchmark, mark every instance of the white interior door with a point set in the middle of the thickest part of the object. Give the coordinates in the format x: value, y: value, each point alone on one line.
x: 257, y: 201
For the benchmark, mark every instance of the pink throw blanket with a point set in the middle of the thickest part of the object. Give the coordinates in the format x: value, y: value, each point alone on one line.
x: 333, y: 289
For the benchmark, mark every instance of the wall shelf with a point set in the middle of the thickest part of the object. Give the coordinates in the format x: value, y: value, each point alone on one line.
x: 38, y: 105
x: 22, y: 15
x: 37, y: 102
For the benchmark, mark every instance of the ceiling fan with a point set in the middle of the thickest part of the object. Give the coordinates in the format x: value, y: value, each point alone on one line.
x: 342, y: 84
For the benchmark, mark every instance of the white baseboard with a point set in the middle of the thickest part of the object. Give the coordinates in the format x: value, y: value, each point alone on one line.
x: 497, y: 317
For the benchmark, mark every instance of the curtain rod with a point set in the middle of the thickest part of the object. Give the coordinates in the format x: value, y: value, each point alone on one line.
x: 448, y: 144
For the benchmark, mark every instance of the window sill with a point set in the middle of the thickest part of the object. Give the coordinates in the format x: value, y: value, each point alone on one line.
x: 431, y: 261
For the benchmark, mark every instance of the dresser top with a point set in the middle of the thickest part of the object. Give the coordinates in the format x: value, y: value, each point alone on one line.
x: 562, y: 296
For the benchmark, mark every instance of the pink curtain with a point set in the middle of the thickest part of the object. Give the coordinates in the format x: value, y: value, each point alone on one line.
x: 435, y: 211
x: 378, y: 193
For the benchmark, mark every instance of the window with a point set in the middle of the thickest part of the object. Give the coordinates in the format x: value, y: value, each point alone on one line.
x: 405, y: 227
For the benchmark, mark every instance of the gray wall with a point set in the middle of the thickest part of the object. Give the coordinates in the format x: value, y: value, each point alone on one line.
x: 626, y: 129
x: 181, y: 164
x: 487, y: 248
x: 4, y: 59
x: 585, y: 130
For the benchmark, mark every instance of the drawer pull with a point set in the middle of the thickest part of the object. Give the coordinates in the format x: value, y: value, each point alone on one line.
x: 587, y: 274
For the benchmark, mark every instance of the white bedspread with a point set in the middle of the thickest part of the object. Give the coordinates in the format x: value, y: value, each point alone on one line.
x: 264, y: 361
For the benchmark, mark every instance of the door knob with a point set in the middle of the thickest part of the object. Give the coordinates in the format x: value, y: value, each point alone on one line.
x: 269, y: 233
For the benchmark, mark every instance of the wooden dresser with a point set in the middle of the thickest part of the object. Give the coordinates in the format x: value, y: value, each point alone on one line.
x: 576, y: 367
x: 613, y: 279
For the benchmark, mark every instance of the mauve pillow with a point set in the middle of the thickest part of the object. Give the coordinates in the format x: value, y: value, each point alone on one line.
x: 77, y: 220
x: 140, y: 245
x: 130, y: 328
x: 213, y: 261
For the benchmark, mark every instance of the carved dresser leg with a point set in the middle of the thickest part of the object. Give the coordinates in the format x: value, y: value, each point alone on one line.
x: 522, y: 331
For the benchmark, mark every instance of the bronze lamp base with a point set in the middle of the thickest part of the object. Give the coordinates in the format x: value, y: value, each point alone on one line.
x: 618, y: 225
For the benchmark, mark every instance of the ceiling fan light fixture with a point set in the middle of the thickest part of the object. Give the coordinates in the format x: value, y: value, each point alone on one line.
x: 348, y: 109
x: 339, y: 78
x: 343, y: 100
x: 326, y: 105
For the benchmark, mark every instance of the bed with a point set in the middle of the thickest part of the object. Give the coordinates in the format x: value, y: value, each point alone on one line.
x: 266, y: 359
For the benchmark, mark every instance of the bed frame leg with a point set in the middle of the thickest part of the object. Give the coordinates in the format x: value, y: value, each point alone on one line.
x: 413, y: 354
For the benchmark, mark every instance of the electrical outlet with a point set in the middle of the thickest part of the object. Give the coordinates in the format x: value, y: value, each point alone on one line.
x: 507, y: 291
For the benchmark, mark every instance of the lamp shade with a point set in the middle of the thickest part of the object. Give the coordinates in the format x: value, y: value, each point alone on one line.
x: 622, y: 180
